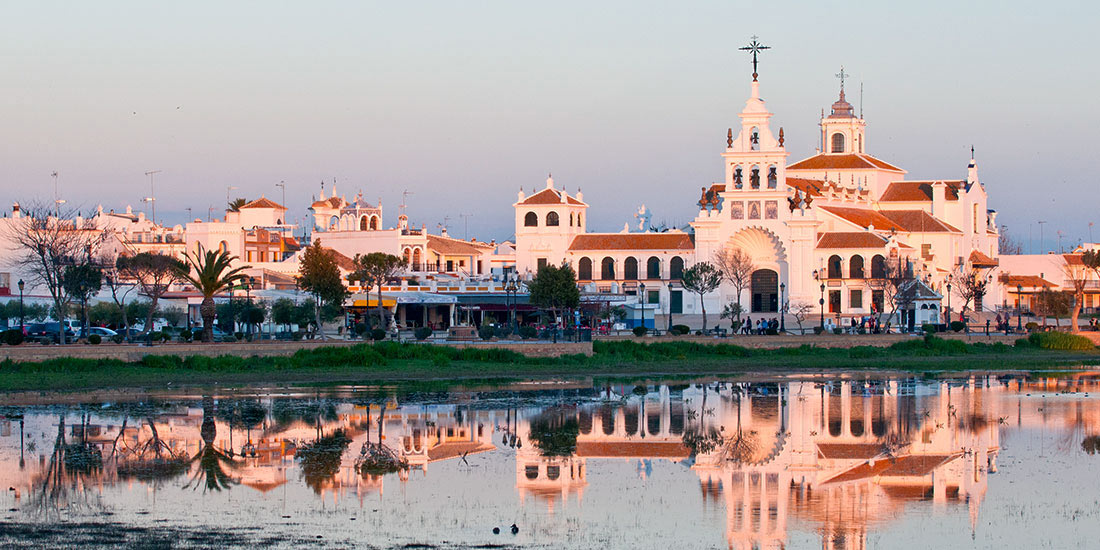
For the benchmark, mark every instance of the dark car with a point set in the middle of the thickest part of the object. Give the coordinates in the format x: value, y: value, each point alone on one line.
x: 48, y: 332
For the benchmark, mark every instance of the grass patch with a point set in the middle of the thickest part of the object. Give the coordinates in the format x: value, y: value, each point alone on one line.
x: 383, y: 361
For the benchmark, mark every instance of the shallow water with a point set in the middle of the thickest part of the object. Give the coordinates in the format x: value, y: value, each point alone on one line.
x: 990, y: 462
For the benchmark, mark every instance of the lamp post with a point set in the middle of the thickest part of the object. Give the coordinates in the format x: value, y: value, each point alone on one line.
x: 642, y: 300
x: 1019, y: 308
x: 511, y: 288
x: 821, y: 301
x: 248, y: 296
x: 949, y: 277
x: 782, y: 309
x: 22, y: 322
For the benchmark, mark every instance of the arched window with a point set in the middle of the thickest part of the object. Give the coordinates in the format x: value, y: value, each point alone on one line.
x: 578, y: 220
x: 363, y: 223
x: 407, y: 254
x: 584, y: 269
x: 570, y: 219
x: 416, y: 259
x: 531, y: 220
x: 838, y: 142
x: 607, y: 269
x: 737, y: 177
x: 653, y: 268
x: 754, y: 139
x: 773, y: 178
x: 878, y: 267
x: 552, y: 219
x: 630, y: 269
x: 834, y: 267
x: 332, y: 222
x: 374, y: 223
x: 754, y: 177
x: 676, y: 268
x: 855, y: 267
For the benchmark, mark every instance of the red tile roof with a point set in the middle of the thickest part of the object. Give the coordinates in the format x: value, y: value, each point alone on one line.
x: 855, y: 239
x: 905, y: 191
x: 342, y: 261
x: 863, y: 217
x: 632, y: 241
x: 807, y: 186
x: 455, y: 449
x: 918, y: 221
x: 981, y: 260
x: 548, y: 196
x: 264, y: 202
x: 456, y: 247
x: 903, y: 466
x: 850, y: 161
x: 1028, y: 281
x: 332, y: 202
x: 632, y: 449
x: 862, y: 451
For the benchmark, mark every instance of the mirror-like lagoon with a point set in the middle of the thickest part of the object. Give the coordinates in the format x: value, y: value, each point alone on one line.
x: 980, y: 462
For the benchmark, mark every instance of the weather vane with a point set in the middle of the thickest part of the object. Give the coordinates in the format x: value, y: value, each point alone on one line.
x: 755, y: 47
x: 842, y: 75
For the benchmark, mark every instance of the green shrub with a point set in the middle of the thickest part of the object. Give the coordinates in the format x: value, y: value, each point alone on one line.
x: 1022, y: 343
x: 957, y: 326
x: 838, y: 330
x: 297, y: 336
x: 928, y: 328
x: 864, y: 352
x: 441, y: 360
x: 528, y: 332
x: 360, y: 330
x: 485, y: 332
x: 118, y: 338
x: 154, y: 336
x: 238, y: 335
x: 502, y: 332
x: 165, y: 337
x: 422, y: 333
x: 818, y: 330
x: 186, y: 335
x: 679, y: 330
x: 1031, y: 326
x: 94, y: 339
x: 377, y: 334
x: 1060, y: 341
x: 640, y: 331
x: 12, y: 337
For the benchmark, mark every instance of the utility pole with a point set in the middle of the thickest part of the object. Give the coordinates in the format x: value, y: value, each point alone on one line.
x: 465, y: 226
x: 152, y: 198
x: 282, y: 185
x: 1041, y: 236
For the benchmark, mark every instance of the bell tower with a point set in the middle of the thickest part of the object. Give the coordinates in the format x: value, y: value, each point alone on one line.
x: 755, y: 159
x: 842, y: 131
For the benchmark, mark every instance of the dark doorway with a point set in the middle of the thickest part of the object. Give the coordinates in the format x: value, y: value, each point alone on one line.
x: 765, y: 291
x: 676, y: 301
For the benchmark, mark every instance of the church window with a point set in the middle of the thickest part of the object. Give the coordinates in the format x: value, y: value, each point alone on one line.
x: 607, y: 269
x: 676, y: 268
x: 855, y: 267
x: 754, y: 210
x: 570, y: 219
x: 630, y: 269
x: 771, y: 210
x: 838, y: 142
x: 754, y: 178
x: 552, y: 219
x: 975, y: 216
x: 834, y: 267
x: 584, y: 269
x: 737, y: 210
x: 737, y: 177
x: 531, y: 220
x: 374, y: 223
x: 653, y: 268
x: 578, y: 220
x: 773, y: 178
x: 363, y: 223
x: 332, y: 222
x: 754, y: 139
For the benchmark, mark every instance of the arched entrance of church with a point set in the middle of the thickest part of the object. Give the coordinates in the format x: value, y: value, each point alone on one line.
x: 765, y: 291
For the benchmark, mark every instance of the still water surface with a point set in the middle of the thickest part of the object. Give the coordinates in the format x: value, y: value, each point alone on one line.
x: 988, y: 462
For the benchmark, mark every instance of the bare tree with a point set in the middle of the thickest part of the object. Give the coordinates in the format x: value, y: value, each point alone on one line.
x: 736, y: 267
x: 1006, y: 244
x: 801, y: 311
x: 1078, y: 274
x: 970, y: 284
x: 45, y: 246
x: 896, y: 283
x: 120, y: 289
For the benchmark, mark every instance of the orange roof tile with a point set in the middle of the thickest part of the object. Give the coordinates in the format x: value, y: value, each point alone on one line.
x: 455, y: 449
x: 981, y: 260
x: 332, y: 202
x: 342, y: 261
x: 849, y: 450
x: 855, y: 239
x: 1028, y: 281
x: 632, y: 241
x: 863, y: 217
x: 264, y: 202
x: 904, y: 191
x: 811, y: 187
x: 549, y: 196
x: 850, y: 161
x: 449, y: 246
x: 632, y: 449
x: 918, y: 221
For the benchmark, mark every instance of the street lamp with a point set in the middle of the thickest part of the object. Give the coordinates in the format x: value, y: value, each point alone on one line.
x: 1019, y: 308
x: 782, y: 309
x: 821, y: 301
x: 949, y: 279
x: 22, y: 327
x: 512, y: 288
x: 642, y: 299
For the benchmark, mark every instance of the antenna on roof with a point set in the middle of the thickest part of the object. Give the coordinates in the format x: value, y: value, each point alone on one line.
x: 861, y: 98
x: 405, y: 199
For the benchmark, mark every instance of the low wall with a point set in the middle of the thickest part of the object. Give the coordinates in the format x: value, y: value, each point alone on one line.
x: 134, y: 352
x: 819, y: 340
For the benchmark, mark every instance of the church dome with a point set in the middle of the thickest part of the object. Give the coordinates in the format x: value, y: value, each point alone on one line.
x: 842, y: 109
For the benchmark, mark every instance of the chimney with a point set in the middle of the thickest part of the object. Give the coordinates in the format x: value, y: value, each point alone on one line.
x: 939, y: 198
x: 15, y: 212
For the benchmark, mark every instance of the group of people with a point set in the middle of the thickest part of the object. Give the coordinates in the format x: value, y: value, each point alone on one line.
x: 762, y: 326
x: 866, y: 323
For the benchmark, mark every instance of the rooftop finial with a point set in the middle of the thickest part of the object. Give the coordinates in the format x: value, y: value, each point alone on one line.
x: 842, y: 75
x: 755, y: 48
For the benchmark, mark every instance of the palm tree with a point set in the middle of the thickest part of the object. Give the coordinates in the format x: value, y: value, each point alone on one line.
x: 235, y: 205
x: 212, y: 275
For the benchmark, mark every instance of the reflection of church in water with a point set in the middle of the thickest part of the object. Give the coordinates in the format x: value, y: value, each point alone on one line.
x: 842, y: 455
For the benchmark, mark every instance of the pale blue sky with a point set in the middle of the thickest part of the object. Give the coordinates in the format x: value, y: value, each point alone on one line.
x: 464, y: 102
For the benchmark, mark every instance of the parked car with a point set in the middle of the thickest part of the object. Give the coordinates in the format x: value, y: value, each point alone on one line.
x: 102, y: 331
x: 49, y: 332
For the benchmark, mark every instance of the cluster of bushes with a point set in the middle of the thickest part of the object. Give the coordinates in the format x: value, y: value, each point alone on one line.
x: 678, y: 330
x: 1059, y: 341
x: 12, y: 337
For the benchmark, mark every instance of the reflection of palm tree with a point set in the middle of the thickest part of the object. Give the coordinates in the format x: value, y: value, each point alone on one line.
x: 212, y: 463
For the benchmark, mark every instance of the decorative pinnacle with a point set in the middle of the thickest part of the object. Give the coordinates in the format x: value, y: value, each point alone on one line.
x: 754, y: 47
x: 729, y: 137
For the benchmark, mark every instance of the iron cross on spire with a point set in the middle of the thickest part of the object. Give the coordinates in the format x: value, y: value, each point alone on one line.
x: 842, y: 75
x: 755, y: 47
